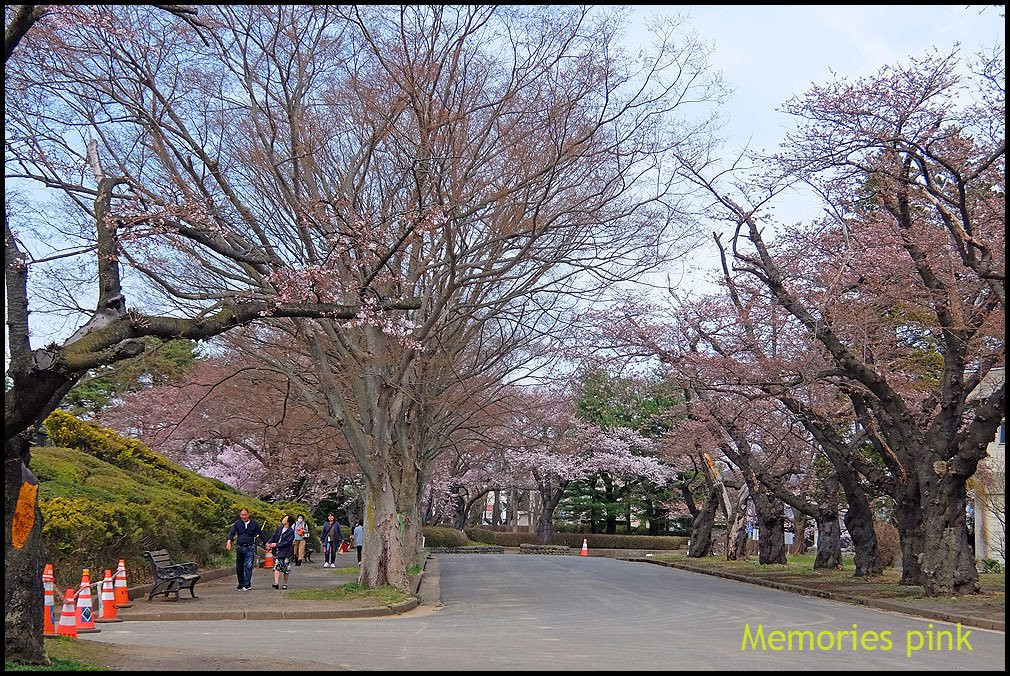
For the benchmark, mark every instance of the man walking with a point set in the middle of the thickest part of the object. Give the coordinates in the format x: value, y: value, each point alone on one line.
x: 246, y: 530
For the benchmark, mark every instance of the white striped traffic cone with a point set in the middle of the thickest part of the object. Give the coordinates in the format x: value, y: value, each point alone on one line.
x: 120, y: 590
x: 68, y: 625
x: 49, y: 607
x: 85, y: 613
x: 107, y: 600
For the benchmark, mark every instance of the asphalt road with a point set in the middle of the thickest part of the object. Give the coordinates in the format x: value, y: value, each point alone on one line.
x: 571, y: 613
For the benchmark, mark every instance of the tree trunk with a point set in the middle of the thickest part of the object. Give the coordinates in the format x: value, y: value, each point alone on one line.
x: 701, y: 528
x: 799, y: 529
x: 859, y: 523
x: 948, y: 565
x: 771, y: 529
x: 513, y: 510
x: 496, y: 508
x: 908, y: 514
x: 829, y: 542
x: 829, y: 530
x: 23, y: 602
x: 549, y: 499
x: 611, y: 498
x: 391, y: 528
x: 736, y: 535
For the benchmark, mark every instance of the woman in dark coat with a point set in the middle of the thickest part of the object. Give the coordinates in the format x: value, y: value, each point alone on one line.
x: 283, y: 544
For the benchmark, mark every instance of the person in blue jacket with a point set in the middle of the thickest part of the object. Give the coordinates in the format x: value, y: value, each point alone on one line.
x: 283, y: 544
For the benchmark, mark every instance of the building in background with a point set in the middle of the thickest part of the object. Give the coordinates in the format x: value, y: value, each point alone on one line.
x: 989, y: 486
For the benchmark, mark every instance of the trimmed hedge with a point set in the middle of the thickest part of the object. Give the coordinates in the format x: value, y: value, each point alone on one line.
x: 105, y: 497
x: 548, y: 550
x: 467, y: 550
x: 443, y: 536
x: 596, y: 540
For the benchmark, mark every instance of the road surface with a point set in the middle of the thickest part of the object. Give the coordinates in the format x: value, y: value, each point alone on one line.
x: 553, y: 613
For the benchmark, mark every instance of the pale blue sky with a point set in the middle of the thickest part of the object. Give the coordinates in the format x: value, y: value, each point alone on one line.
x: 768, y: 54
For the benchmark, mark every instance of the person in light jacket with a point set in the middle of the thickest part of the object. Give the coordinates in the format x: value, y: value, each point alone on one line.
x: 282, y: 542
x: 301, y: 538
x: 359, y: 538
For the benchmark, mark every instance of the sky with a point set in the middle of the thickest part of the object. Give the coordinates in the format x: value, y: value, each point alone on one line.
x: 769, y: 53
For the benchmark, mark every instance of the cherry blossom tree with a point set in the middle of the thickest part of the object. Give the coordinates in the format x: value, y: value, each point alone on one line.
x: 114, y: 111
x: 901, y: 288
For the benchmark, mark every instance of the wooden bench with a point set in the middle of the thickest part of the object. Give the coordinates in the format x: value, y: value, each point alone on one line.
x: 170, y: 577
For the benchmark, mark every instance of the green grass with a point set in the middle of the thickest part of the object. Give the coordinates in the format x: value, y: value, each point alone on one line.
x: 385, y: 595
x: 414, y: 570
x: 346, y: 571
x: 61, y: 652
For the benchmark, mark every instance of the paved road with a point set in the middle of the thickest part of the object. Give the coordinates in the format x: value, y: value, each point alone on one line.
x: 529, y: 612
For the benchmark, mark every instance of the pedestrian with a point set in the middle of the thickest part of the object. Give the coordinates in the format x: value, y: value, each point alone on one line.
x: 359, y: 536
x: 246, y: 530
x: 282, y: 542
x: 301, y: 537
x: 332, y: 538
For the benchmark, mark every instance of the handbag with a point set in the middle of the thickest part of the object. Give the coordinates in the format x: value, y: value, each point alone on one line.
x: 343, y: 547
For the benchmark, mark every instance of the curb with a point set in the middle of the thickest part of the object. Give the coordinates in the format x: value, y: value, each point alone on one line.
x: 892, y: 606
x: 303, y: 614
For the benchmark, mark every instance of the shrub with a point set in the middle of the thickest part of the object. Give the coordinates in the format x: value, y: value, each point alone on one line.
x: 604, y: 541
x: 596, y: 540
x: 991, y: 566
x: 888, y: 543
x: 104, y: 497
x: 502, y: 539
x: 443, y: 536
x: 547, y: 550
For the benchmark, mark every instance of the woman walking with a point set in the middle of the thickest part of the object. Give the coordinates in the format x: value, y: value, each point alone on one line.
x: 282, y: 542
x: 359, y: 538
x: 332, y: 537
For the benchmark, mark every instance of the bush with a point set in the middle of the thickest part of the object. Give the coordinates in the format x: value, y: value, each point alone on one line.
x: 596, y: 540
x: 604, y: 541
x: 104, y: 497
x: 547, y: 550
x: 888, y: 543
x: 502, y: 539
x: 443, y: 536
x: 991, y: 566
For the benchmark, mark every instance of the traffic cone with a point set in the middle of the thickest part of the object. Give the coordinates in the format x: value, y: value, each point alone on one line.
x: 67, y: 626
x: 49, y: 608
x: 85, y: 614
x: 107, y: 600
x: 122, y: 596
x: 585, y: 547
x: 268, y: 562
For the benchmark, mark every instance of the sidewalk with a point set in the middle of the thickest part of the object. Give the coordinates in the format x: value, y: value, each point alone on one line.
x: 954, y: 615
x: 218, y: 599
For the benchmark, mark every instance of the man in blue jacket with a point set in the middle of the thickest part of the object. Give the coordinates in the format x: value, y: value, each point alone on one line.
x: 246, y: 530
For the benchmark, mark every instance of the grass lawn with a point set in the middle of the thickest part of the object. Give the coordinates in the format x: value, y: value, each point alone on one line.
x: 990, y: 604
x: 384, y: 596
x: 346, y: 571
x: 65, y: 654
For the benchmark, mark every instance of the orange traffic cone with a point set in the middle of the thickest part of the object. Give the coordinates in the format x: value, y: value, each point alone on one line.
x: 122, y: 596
x: 268, y: 562
x: 67, y: 626
x: 585, y: 547
x: 49, y: 608
x: 107, y: 600
x: 85, y: 614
